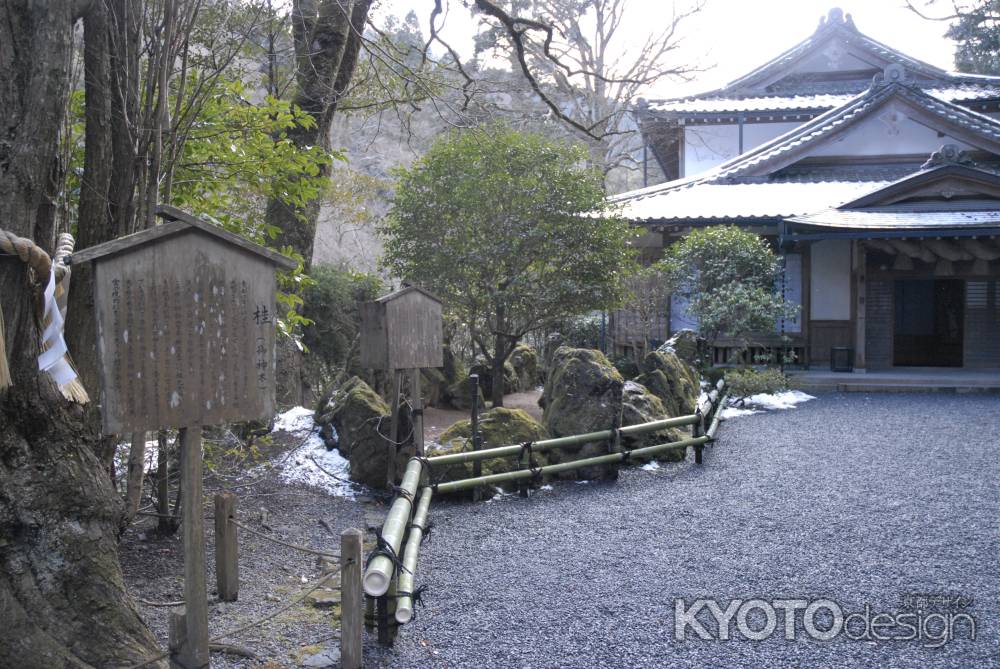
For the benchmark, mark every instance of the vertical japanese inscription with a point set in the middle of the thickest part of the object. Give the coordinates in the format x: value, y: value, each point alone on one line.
x: 187, y: 336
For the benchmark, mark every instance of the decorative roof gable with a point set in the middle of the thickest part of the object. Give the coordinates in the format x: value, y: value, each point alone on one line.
x: 830, y: 133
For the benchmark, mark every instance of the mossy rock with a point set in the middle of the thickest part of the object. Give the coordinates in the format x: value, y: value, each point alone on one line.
x: 498, y: 427
x: 673, y: 381
x: 361, y: 418
x: 583, y: 393
x: 524, y: 361
x: 642, y: 406
x: 459, y: 393
x: 687, y: 345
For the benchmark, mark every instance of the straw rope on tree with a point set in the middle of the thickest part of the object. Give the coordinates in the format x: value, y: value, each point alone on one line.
x: 42, y: 268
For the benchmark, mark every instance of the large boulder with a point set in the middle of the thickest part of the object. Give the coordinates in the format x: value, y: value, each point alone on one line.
x: 524, y: 361
x: 675, y: 382
x: 361, y: 420
x: 485, y: 372
x: 688, y: 345
x: 459, y: 393
x: 583, y: 393
x: 498, y: 427
x: 639, y: 405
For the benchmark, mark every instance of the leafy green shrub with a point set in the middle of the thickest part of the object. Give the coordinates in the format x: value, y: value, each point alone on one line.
x: 331, y: 303
x: 743, y: 383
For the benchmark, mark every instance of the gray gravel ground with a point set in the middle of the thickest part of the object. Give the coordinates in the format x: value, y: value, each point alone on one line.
x: 860, y: 499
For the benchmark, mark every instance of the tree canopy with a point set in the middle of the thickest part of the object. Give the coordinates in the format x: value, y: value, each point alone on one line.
x: 729, y: 276
x: 510, y: 231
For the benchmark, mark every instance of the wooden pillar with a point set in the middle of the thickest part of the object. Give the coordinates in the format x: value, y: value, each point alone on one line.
x: 698, y: 430
x: 860, y: 308
x: 352, y: 604
x: 195, y: 653
x: 227, y: 565
x: 390, y: 474
x: 417, y: 403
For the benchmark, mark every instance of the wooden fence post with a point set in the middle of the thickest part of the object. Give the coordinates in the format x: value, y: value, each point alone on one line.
x: 477, y: 441
x: 352, y: 605
x: 227, y: 551
x: 177, y: 637
x: 195, y: 654
x: 698, y: 430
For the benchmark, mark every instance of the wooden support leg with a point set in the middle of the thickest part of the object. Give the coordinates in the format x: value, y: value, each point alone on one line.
x: 227, y: 567
x: 417, y: 403
x: 177, y: 637
x: 195, y: 654
x: 352, y: 603
x: 698, y: 430
x: 382, y: 618
x: 397, y: 386
x: 477, y: 466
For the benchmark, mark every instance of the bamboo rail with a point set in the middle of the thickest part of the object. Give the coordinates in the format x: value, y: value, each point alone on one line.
x: 559, y: 442
x: 405, y: 601
x: 380, y: 570
x: 611, y: 458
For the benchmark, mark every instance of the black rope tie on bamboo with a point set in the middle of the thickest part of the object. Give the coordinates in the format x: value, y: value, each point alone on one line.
x: 427, y: 467
x: 399, y: 491
x: 425, y: 530
x: 626, y: 456
x: 382, y: 547
x: 417, y: 596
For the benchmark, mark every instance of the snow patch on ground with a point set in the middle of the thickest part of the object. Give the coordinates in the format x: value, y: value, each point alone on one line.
x: 786, y: 399
x: 651, y: 466
x: 311, y: 463
x: 633, y: 387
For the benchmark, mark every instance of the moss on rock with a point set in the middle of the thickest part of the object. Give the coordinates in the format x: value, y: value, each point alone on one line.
x: 642, y: 406
x: 673, y: 381
x: 498, y: 427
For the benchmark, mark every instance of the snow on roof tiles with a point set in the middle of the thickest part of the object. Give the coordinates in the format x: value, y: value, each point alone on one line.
x: 712, y: 201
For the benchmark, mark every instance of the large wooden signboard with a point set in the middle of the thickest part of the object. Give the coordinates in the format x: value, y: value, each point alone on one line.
x: 186, y: 331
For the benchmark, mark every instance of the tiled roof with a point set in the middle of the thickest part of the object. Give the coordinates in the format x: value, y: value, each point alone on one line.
x: 716, y: 105
x: 832, y: 121
x: 712, y: 201
x: 900, y: 220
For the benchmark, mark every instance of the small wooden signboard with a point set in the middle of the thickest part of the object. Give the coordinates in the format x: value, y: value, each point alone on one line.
x: 185, y: 338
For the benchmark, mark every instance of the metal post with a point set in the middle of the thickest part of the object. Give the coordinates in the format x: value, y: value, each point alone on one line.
x: 477, y: 440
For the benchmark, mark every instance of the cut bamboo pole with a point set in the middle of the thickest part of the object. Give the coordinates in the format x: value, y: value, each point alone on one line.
x: 465, y: 484
x: 549, y: 444
x: 404, y: 603
x: 379, y: 572
x: 717, y: 416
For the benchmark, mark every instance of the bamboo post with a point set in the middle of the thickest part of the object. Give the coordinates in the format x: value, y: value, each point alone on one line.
x: 405, y: 603
x: 477, y: 440
x: 352, y: 605
x: 195, y: 653
x: 418, y: 412
x: 227, y: 565
x: 381, y: 569
x: 390, y: 467
x: 698, y: 430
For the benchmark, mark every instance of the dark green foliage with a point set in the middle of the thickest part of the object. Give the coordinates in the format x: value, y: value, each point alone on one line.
x: 510, y: 231
x: 728, y: 274
x: 976, y: 30
x: 743, y: 383
x: 331, y: 303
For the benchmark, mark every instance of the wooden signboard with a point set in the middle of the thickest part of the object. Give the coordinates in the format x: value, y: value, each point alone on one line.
x: 402, y: 330
x: 185, y: 326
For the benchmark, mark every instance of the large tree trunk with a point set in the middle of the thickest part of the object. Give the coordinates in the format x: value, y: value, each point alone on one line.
x: 327, y: 43
x: 63, y: 601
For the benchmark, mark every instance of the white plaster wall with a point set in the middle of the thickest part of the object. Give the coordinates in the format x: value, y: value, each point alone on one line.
x: 755, y: 134
x: 830, y: 280
x: 890, y: 131
x: 706, y: 146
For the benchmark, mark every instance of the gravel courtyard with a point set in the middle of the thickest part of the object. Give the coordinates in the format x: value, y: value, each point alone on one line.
x: 861, y: 499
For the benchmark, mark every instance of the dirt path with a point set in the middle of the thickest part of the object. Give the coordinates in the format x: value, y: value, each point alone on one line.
x: 437, y: 420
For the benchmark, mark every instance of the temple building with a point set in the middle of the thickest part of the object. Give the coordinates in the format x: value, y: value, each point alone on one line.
x: 876, y: 176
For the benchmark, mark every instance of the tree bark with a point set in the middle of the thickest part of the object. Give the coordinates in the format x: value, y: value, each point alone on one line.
x: 63, y: 601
